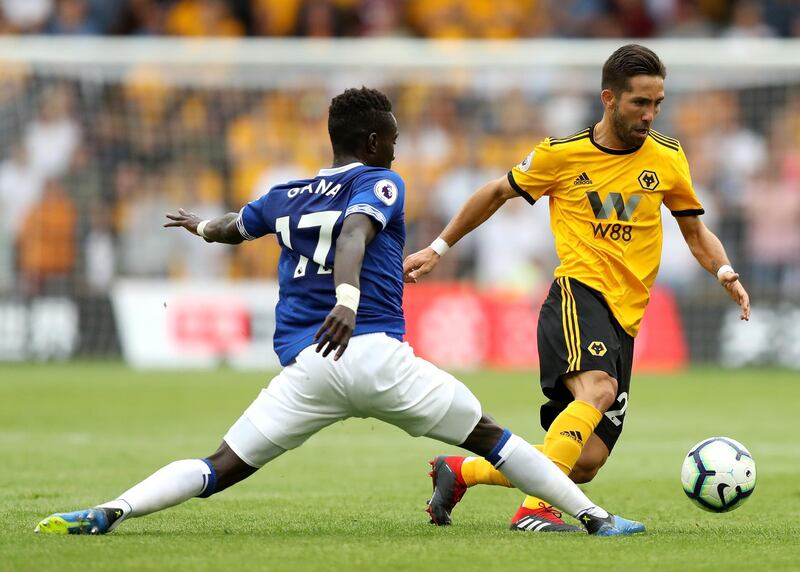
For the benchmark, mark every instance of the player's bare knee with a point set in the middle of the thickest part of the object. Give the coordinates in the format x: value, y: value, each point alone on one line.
x: 603, y: 392
x: 595, y: 387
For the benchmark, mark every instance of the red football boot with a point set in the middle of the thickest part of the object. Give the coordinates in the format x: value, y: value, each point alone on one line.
x: 542, y: 519
x: 448, y: 488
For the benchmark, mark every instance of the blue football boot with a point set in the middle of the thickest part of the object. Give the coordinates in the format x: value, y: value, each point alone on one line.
x: 612, y: 525
x: 89, y: 521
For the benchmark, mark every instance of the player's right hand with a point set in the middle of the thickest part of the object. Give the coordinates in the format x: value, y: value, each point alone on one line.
x: 184, y: 219
x: 419, y: 264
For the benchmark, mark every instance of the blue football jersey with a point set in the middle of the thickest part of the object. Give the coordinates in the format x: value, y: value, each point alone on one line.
x: 307, y: 217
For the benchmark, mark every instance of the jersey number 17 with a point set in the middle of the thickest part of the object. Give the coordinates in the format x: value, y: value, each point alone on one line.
x: 325, y: 220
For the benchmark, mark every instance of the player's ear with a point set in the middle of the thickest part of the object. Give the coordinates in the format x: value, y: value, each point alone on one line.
x: 607, y: 97
x: 372, y: 142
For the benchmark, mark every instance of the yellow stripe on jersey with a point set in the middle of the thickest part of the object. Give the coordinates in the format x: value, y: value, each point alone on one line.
x: 576, y: 329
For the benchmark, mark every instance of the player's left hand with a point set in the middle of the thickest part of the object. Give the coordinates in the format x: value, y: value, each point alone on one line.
x: 336, y: 331
x: 730, y: 281
x: 419, y: 264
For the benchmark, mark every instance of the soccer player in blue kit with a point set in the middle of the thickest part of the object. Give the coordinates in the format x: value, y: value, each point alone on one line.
x: 339, y: 337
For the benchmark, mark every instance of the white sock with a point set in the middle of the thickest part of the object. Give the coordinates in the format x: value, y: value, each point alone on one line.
x: 534, y: 474
x: 168, y: 486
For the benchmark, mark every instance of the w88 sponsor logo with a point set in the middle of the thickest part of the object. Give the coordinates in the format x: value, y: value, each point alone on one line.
x: 613, y: 203
x: 614, y: 231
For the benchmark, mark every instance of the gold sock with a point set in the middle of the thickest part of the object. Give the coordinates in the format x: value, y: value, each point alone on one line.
x: 479, y: 471
x: 566, y: 437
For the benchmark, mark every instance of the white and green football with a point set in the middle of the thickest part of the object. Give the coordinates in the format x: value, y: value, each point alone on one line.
x: 718, y: 474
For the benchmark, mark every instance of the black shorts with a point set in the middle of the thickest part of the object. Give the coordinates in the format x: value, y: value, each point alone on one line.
x: 577, y: 332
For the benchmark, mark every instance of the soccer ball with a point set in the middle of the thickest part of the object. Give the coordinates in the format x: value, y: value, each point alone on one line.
x: 718, y: 474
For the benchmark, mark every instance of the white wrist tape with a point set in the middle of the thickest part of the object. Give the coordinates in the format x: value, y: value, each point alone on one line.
x: 439, y: 246
x: 723, y: 269
x: 348, y: 296
x: 201, y: 227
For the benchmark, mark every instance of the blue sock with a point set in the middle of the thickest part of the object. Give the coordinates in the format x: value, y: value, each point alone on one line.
x: 210, y: 481
x: 494, y: 456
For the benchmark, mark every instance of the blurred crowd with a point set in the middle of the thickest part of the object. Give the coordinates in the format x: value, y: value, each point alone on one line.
x: 88, y: 170
x: 412, y: 18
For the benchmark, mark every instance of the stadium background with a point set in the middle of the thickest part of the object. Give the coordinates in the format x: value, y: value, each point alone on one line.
x: 113, y: 112
x: 100, y: 134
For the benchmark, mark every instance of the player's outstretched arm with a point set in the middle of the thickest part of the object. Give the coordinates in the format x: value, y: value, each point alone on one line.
x: 220, y: 229
x: 479, y: 207
x: 710, y: 253
x: 334, y: 334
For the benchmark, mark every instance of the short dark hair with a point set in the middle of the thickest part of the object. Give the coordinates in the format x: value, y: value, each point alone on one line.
x: 628, y: 61
x: 356, y: 113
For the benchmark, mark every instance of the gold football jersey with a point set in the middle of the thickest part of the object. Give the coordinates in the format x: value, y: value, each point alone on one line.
x: 605, y: 211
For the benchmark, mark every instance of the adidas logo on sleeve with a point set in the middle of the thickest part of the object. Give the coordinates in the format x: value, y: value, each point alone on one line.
x: 582, y: 179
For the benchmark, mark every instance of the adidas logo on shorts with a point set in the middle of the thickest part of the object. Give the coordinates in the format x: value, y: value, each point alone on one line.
x: 576, y: 435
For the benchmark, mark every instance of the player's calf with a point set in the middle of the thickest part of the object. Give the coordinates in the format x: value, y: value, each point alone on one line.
x: 592, y: 458
x: 582, y: 476
x: 228, y: 468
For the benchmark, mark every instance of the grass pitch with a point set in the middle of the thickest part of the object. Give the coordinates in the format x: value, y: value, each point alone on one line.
x: 352, y: 497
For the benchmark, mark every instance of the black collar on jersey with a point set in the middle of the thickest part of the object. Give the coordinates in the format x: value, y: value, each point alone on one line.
x: 611, y: 151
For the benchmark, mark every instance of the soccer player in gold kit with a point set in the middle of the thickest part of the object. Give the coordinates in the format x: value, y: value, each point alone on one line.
x: 605, y: 185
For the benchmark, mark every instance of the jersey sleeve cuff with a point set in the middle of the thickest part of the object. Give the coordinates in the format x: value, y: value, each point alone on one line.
x: 519, y: 190
x: 688, y: 212
x: 240, y: 225
x: 368, y: 210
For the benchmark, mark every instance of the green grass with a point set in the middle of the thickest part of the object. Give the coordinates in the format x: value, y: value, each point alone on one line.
x: 352, y: 497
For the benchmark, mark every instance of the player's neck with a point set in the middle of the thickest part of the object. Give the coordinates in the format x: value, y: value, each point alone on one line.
x: 345, y: 159
x: 604, y: 136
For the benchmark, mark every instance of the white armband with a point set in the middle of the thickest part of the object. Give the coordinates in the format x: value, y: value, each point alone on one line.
x: 201, y: 228
x: 348, y: 296
x: 439, y: 246
x: 723, y: 269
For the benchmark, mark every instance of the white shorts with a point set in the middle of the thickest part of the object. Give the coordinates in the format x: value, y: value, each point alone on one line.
x: 377, y: 376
